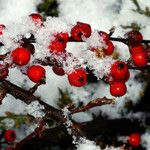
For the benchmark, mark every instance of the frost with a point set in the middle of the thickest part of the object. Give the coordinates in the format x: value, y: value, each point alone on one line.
x: 95, y: 41
x: 84, y: 144
x: 71, y: 63
x: 146, y: 140
x: 56, y: 25
x: 99, y: 66
x: 35, y: 109
x: 68, y: 122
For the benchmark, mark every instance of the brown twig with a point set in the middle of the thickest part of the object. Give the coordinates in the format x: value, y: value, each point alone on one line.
x: 93, y: 103
x: 35, y: 87
x: 27, y: 97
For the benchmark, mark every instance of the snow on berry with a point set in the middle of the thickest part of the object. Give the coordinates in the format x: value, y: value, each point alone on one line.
x: 69, y: 62
x: 14, y: 34
x: 99, y: 66
x: 59, y: 43
x: 37, y: 18
x: 96, y: 41
x: 110, y: 48
x: 81, y: 31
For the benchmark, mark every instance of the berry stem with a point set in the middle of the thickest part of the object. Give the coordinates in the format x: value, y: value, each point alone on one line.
x: 34, y: 88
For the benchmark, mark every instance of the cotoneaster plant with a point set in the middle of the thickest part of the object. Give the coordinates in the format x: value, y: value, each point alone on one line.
x: 42, y: 43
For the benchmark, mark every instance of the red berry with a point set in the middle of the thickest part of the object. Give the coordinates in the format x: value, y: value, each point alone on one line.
x: 118, y: 88
x: 119, y: 71
x: 10, y: 135
x: 104, y: 35
x: 36, y: 73
x: 58, y: 70
x: 20, y: 56
x: 56, y: 47
x: 59, y: 43
x: 37, y: 18
x: 110, y: 49
x: 2, y: 27
x: 81, y: 30
x: 136, y: 49
x: 134, y: 38
x: 3, y: 72
x: 140, y: 59
x: 134, y: 139
x: 78, y: 78
x: 62, y: 37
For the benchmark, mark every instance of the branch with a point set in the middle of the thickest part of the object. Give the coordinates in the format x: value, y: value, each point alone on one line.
x: 92, y: 104
x: 131, y: 66
x: 27, y: 97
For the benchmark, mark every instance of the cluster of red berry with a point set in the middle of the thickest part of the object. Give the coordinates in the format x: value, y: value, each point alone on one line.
x: 139, y: 53
x: 36, y: 73
x: 119, y: 72
x: 109, y: 49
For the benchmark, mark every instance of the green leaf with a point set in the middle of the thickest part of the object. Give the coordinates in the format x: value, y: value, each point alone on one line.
x: 64, y: 98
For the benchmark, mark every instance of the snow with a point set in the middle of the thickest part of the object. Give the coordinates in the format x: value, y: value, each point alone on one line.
x: 57, y: 25
x: 95, y: 41
x: 14, y: 9
x: 35, y: 109
x: 101, y: 15
x: 84, y: 144
x: 146, y: 140
x: 99, y: 66
x: 8, y: 122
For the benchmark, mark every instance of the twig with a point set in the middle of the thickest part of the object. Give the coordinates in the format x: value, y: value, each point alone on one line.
x: 93, y: 103
x: 34, y: 88
x: 131, y: 66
